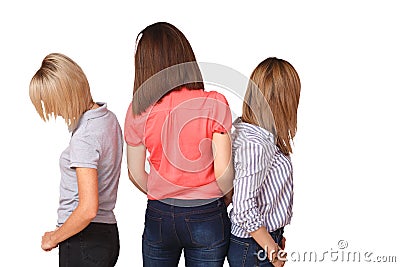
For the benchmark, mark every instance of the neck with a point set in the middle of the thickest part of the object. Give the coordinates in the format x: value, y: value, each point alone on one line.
x: 93, y: 105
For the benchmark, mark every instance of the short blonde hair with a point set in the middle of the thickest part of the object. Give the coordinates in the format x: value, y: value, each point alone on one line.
x: 279, y: 83
x: 60, y: 88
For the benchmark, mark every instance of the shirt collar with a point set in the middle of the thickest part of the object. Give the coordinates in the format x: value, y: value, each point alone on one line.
x: 93, y: 114
x: 254, y: 129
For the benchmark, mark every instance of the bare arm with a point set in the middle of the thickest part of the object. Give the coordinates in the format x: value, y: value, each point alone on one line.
x: 136, y: 156
x: 223, y: 168
x: 84, y: 212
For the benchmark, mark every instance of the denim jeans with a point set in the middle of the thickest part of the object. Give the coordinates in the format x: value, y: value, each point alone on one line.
x: 246, y: 252
x: 202, y: 232
x: 95, y: 246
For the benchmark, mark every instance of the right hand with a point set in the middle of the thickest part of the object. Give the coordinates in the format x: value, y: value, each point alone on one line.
x: 47, y: 241
x: 278, y: 263
x: 280, y: 258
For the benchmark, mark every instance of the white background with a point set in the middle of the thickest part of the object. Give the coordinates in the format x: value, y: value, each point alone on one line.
x: 346, y: 150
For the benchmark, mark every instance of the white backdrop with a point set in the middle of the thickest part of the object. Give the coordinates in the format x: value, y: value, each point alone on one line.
x: 346, y: 150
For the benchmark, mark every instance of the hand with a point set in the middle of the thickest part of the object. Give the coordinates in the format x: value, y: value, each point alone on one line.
x: 47, y: 241
x: 283, y: 243
x: 278, y: 263
x: 227, y: 200
x: 280, y: 258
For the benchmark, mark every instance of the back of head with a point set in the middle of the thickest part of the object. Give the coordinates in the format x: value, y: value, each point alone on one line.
x: 164, y: 61
x: 60, y: 88
x: 274, y: 87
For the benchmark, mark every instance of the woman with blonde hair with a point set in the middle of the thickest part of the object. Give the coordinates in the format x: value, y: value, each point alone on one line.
x: 263, y: 183
x: 87, y: 232
x: 186, y: 131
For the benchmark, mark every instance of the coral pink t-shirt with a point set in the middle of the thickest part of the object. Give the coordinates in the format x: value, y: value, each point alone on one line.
x: 177, y: 131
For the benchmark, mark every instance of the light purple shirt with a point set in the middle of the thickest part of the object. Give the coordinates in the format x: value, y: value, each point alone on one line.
x: 95, y: 143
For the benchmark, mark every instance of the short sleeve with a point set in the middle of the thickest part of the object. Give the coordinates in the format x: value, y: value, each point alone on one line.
x: 84, y: 152
x: 222, y: 117
x: 132, y: 136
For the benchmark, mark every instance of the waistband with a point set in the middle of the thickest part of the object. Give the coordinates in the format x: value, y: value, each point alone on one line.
x: 187, y: 202
x: 185, y: 205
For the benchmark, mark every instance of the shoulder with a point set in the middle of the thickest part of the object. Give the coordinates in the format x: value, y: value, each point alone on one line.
x: 84, y: 137
x: 216, y: 95
x: 251, y: 143
x: 248, y: 157
x: 242, y: 142
x: 132, y: 119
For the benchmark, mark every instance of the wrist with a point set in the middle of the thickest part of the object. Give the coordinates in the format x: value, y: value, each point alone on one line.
x: 272, y: 250
x: 53, y: 238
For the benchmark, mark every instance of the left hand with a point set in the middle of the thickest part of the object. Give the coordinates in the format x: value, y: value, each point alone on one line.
x: 47, y: 241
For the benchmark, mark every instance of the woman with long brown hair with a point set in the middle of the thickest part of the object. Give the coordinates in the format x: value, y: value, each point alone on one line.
x: 186, y: 132
x: 263, y: 183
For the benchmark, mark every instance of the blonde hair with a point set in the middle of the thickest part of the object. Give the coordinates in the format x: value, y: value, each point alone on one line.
x: 279, y: 84
x: 60, y: 88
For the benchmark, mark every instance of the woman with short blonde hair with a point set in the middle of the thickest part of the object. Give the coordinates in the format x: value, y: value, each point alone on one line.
x: 87, y: 232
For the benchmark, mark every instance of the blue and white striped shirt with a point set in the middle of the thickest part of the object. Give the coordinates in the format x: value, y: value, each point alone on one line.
x: 263, y: 184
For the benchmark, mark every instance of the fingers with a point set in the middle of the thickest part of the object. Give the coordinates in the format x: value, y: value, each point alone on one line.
x: 283, y: 242
x: 47, y: 244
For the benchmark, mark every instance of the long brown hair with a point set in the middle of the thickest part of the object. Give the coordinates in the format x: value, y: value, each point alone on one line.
x: 279, y: 83
x: 163, y: 54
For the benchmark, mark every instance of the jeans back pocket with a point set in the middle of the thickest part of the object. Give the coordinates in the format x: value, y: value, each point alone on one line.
x: 152, y: 230
x: 206, y: 231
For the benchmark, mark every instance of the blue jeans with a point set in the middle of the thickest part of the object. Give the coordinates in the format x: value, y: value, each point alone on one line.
x: 246, y: 252
x: 202, y: 232
x: 95, y: 246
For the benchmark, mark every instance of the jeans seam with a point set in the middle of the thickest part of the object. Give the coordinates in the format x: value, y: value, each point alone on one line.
x: 245, y: 251
x: 245, y: 254
x: 175, y: 232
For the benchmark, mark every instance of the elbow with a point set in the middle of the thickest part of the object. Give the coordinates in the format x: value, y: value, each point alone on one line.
x: 89, y: 213
x: 139, y: 180
x: 130, y: 175
x: 224, y: 172
x: 225, y: 180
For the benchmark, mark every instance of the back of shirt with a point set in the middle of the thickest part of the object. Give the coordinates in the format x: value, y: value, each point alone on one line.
x: 177, y: 132
x: 96, y: 143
